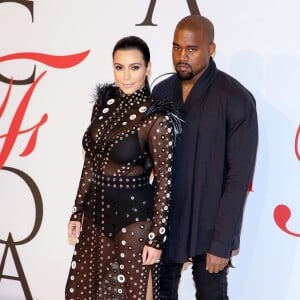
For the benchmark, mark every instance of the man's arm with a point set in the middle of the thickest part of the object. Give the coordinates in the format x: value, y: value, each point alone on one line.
x: 241, y: 148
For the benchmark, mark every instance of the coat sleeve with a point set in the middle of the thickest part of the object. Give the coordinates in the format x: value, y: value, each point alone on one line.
x: 241, y: 148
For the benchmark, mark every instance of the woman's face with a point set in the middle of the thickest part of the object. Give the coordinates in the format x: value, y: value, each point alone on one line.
x: 130, y: 70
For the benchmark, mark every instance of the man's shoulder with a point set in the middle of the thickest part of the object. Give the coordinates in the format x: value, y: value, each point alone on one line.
x: 229, y: 81
x: 234, y: 93
x: 231, y: 85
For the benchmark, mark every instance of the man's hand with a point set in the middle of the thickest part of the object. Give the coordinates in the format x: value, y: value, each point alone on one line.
x: 215, y: 264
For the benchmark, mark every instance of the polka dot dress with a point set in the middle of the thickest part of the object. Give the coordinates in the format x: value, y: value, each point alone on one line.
x: 120, y: 208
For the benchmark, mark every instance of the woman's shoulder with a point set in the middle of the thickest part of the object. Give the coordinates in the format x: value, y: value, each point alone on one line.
x: 105, y: 91
x: 162, y: 107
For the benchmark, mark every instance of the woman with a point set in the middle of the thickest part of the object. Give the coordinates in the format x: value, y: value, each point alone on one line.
x: 119, y: 217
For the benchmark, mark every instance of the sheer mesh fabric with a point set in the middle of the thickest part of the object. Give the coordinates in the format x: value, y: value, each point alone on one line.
x: 120, y: 210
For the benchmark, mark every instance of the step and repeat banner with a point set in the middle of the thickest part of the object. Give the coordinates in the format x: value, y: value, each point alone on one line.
x: 53, y: 53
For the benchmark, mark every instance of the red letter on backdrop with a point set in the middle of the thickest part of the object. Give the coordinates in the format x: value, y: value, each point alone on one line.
x: 14, y: 130
x: 281, y: 216
x: 297, y: 143
x: 282, y: 213
x: 15, y: 126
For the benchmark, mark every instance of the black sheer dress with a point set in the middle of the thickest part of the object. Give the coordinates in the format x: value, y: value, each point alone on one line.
x: 130, y: 138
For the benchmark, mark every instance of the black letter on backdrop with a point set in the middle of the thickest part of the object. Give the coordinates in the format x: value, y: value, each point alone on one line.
x: 11, y: 244
x: 192, y: 4
x: 29, y: 6
x: 148, y: 19
x: 193, y: 7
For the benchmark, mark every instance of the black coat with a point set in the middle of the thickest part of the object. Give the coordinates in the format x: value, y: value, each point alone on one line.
x: 213, y: 164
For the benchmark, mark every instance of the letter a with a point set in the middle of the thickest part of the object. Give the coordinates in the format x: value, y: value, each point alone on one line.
x: 192, y: 4
x: 21, y: 276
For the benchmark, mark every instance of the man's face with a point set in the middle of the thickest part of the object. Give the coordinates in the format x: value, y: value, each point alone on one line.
x: 191, y: 53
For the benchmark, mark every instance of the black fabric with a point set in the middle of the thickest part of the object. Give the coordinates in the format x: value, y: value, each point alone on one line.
x: 121, y: 210
x: 213, y: 164
x: 209, y: 286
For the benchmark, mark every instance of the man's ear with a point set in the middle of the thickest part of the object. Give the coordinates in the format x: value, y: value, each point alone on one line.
x: 212, y: 49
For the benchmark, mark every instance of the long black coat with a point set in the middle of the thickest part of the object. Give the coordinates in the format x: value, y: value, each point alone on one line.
x: 213, y: 164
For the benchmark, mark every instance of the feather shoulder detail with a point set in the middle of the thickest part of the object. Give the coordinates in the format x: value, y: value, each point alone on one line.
x: 104, y: 92
x: 168, y: 108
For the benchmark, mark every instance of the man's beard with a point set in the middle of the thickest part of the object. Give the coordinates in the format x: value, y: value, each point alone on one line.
x: 185, y: 76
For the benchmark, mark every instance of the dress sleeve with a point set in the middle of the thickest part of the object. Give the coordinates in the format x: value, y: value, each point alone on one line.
x: 86, y: 175
x: 83, y: 188
x: 161, y: 140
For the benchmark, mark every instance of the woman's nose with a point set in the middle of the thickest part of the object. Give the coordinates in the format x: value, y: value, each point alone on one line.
x: 126, y: 74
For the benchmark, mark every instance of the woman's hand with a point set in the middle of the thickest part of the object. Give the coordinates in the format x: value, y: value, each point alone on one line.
x: 150, y: 255
x: 74, y: 228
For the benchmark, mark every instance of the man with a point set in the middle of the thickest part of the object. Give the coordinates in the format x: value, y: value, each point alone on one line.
x: 213, y: 163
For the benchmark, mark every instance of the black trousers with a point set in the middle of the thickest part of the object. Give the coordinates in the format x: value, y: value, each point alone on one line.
x: 209, y: 286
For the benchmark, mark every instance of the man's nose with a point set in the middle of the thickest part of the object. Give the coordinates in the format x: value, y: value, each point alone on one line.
x: 184, y: 54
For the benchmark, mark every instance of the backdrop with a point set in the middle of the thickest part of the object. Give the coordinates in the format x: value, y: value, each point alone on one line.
x: 53, y: 53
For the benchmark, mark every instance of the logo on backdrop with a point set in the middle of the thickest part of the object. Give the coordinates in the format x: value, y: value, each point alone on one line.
x: 192, y: 5
x: 11, y: 244
x: 282, y: 213
x: 16, y: 130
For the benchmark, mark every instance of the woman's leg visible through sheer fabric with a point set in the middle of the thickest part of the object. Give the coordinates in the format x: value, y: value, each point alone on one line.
x: 109, y: 269
x: 81, y: 282
x: 91, y: 263
x: 133, y: 276
x: 105, y: 267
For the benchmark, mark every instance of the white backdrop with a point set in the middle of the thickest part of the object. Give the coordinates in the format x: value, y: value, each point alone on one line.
x: 257, y: 42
